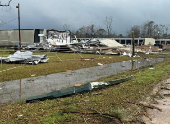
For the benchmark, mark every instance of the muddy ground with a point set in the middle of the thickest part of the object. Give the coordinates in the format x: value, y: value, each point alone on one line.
x: 160, y: 114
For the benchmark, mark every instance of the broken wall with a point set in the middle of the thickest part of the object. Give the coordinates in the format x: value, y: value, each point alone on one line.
x: 60, y: 36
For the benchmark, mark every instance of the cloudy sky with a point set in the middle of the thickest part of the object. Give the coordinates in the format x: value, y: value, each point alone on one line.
x: 53, y: 14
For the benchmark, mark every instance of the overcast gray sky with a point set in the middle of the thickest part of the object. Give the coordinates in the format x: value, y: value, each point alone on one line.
x: 53, y: 14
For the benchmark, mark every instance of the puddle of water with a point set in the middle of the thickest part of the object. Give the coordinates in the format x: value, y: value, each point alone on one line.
x: 12, y: 91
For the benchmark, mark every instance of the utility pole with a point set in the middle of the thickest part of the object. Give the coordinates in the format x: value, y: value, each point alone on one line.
x: 19, y: 26
x: 133, y: 44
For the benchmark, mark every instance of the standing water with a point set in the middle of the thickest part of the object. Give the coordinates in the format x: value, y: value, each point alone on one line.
x: 12, y: 91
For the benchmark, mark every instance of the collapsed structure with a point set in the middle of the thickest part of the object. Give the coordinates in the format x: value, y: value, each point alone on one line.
x: 96, y: 46
x: 61, y: 41
x: 54, y: 40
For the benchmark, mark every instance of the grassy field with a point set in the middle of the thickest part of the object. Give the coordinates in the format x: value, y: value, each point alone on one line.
x: 58, y: 62
x: 114, y: 104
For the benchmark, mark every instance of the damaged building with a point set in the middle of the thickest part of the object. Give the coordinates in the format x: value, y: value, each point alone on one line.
x: 54, y: 40
x: 10, y: 38
x: 31, y: 36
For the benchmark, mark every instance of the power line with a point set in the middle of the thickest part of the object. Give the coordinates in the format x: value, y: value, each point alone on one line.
x: 6, y: 4
x: 9, y: 21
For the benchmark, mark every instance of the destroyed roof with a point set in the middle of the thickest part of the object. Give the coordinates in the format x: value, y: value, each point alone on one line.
x: 106, y: 42
x: 111, y: 43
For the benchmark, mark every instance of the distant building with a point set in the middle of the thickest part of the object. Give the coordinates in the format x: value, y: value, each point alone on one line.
x: 162, y: 41
x: 28, y: 36
x: 138, y: 41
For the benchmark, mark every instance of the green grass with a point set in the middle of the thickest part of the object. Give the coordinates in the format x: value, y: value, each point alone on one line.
x: 70, y: 61
x: 111, y: 103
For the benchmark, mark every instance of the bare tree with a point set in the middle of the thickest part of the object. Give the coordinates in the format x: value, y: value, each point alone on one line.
x: 101, y: 32
x: 6, y: 4
x: 108, y: 22
x: 66, y: 27
x: 147, y: 29
x: 81, y: 32
x: 155, y: 30
x: 167, y: 28
x: 136, y: 29
x: 87, y: 31
x: 92, y: 30
x: 150, y: 28
x: 162, y: 27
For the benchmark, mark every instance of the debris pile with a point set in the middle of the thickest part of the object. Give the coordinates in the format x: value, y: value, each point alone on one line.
x: 96, y: 46
x: 166, y: 47
x: 25, y: 57
x: 148, y: 48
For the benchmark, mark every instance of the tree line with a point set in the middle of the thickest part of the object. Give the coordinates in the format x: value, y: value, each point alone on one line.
x: 148, y: 29
x: 93, y: 31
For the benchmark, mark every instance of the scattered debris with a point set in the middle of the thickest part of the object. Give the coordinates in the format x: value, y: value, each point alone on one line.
x: 100, y: 64
x: 165, y: 47
x: 20, y: 115
x: 104, y: 66
x: 127, y: 54
x: 123, y: 64
x: 151, y: 68
x: 148, y: 49
x: 161, y: 56
x: 77, y: 85
x: 94, y: 46
x: 25, y: 57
